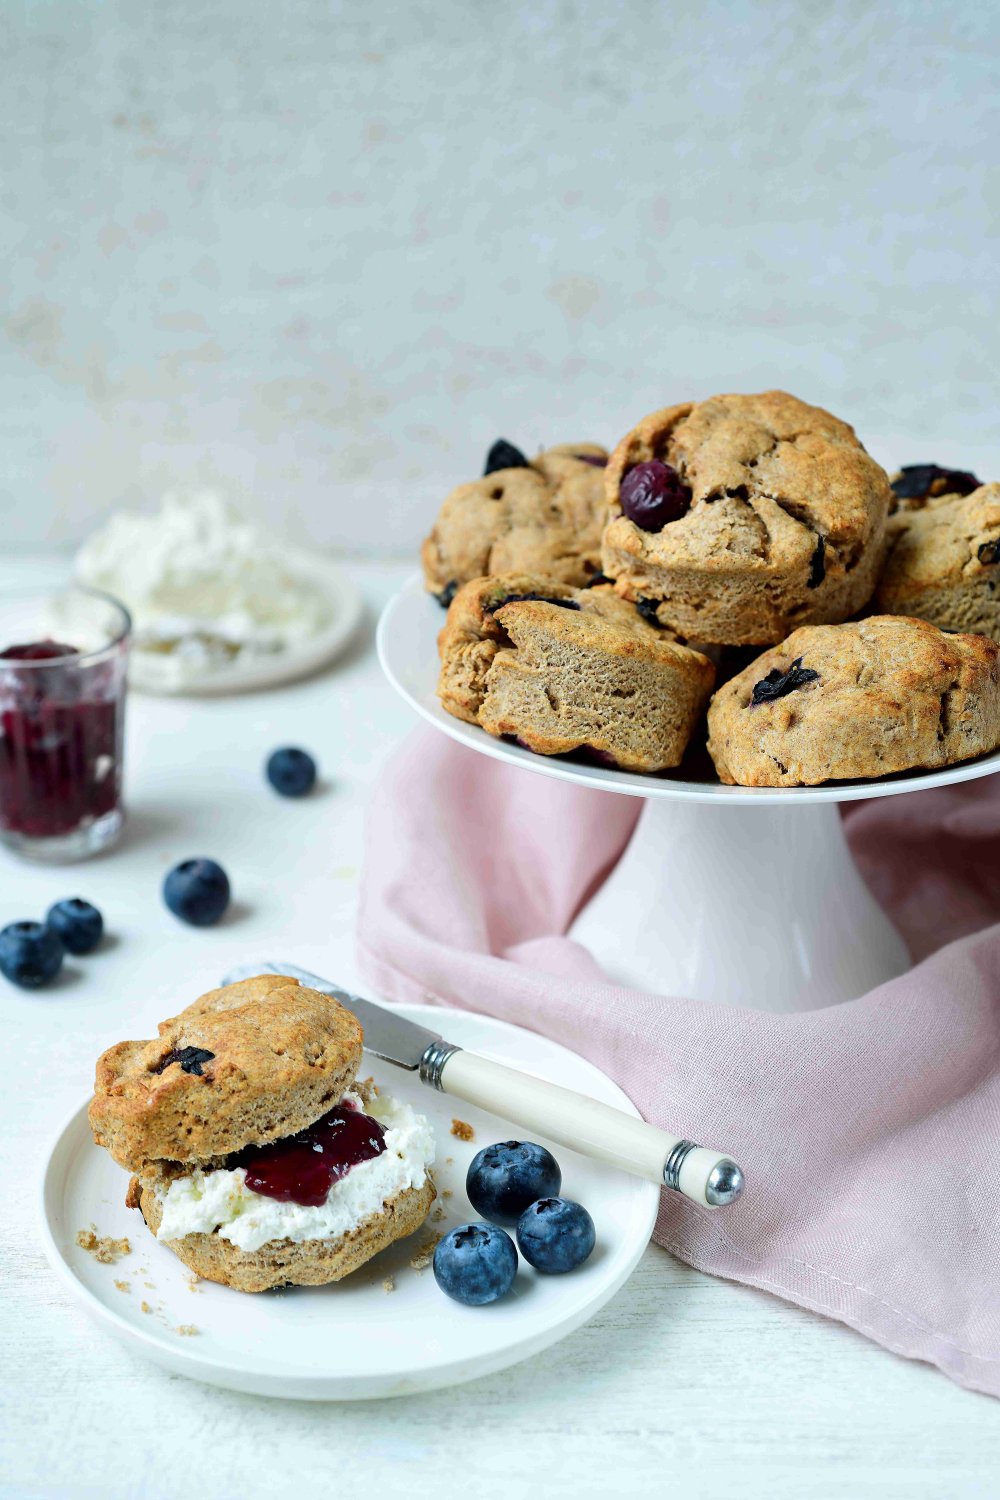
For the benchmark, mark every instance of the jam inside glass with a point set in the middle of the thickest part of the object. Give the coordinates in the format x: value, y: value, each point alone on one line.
x: 303, y: 1167
x: 61, y: 723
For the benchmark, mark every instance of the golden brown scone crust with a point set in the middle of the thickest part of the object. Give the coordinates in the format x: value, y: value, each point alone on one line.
x: 593, y: 676
x: 544, y: 519
x: 892, y: 694
x: 282, y: 1055
x: 786, y: 524
x: 290, y: 1262
x: 944, y: 563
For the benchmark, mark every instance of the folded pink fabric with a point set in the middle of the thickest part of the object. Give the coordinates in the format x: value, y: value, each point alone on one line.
x: 870, y: 1131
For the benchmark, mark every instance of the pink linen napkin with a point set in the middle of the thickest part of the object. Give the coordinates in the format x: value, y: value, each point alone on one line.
x: 870, y: 1131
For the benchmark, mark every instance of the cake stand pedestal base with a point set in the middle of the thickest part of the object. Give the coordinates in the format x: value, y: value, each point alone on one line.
x: 756, y: 907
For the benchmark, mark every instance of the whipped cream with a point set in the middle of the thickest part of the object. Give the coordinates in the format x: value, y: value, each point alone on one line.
x: 205, y: 1201
x: 203, y: 584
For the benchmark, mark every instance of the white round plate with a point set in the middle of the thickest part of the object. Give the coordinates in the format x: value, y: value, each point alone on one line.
x: 407, y: 648
x: 354, y: 1340
x: 149, y: 673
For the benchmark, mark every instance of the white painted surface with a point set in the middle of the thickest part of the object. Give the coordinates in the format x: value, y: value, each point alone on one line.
x: 324, y: 253
x: 682, y: 1385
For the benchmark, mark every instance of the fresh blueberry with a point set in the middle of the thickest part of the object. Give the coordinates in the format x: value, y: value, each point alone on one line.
x: 475, y: 1264
x: 291, y: 772
x: 78, y: 924
x: 503, y: 1179
x: 653, y: 494
x: 30, y: 954
x: 197, y: 891
x: 555, y: 1235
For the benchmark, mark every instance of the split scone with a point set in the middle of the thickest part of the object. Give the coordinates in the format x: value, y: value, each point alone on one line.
x: 542, y: 515
x: 741, y: 517
x: 944, y: 563
x: 561, y: 670
x: 257, y: 1157
x: 855, y: 701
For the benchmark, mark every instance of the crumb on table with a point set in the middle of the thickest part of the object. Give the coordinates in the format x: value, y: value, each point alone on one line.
x: 462, y: 1130
x: 102, y: 1247
x: 389, y: 1284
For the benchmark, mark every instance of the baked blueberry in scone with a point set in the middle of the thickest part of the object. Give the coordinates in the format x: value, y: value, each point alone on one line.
x: 542, y: 515
x: 565, y: 670
x: 854, y: 701
x: 741, y: 517
x: 257, y: 1157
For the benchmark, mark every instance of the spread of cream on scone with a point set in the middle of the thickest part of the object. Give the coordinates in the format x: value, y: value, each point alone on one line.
x: 220, y: 1200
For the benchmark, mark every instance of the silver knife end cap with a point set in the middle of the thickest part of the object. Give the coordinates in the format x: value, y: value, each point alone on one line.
x: 725, y: 1183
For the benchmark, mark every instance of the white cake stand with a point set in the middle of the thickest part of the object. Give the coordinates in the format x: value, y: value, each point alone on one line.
x: 739, y: 896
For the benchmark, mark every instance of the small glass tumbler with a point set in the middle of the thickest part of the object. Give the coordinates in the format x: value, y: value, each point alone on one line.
x: 63, y: 664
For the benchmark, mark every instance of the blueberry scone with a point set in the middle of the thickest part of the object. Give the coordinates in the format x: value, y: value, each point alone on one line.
x: 914, y: 484
x: 866, y: 699
x: 944, y: 563
x: 741, y: 517
x: 257, y: 1157
x: 561, y: 669
x: 542, y: 515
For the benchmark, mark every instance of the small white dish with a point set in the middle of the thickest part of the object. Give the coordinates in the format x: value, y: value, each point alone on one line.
x: 355, y: 1340
x: 156, y: 674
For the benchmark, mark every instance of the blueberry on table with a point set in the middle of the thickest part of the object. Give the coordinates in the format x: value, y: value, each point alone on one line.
x: 197, y: 891
x: 77, y: 923
x: 475, y: 1264
x: 31, y: 954
x: 505, y: 1178
x: 291, y: 771
x: 555, y: 1235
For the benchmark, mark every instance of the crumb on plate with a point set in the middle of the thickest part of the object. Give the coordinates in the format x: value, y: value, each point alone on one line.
x: 462, y: 1130
x: 389, y: 1284
x: 145, y: 1307
x: 102, y: 1247
x: 124, y: 1286
x: 187, y: 1330
x: 425, y: 1254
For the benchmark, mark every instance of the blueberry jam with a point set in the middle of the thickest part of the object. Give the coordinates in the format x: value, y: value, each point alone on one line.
x: 303, y: 1167
x: 653, y: 494
x: 60, y: 739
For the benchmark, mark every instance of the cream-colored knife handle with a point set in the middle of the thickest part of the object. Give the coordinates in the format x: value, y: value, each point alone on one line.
x: 597, y: 1130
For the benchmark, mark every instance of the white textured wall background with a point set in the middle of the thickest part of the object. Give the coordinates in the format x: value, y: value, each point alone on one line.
x: 323, y: 253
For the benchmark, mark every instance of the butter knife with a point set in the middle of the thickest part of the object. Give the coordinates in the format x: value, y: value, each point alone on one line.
x: 597, y: 1130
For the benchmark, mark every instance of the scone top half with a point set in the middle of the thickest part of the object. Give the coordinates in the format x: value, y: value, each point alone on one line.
x: 243, y: 1065
x: 778, y: 519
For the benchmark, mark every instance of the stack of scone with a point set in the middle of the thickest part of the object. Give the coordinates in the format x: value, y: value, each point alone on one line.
x: 592, y: 601
x: 257, y: 1156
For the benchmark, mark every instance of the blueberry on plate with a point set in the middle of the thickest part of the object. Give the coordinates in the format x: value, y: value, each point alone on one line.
x: 78, y: 924
x: 197, y: 891
x: 555, y: 1235
x: 291, y: 771
x: 475, y: 1264
x: 504, y: 1179
x: 30, y: 954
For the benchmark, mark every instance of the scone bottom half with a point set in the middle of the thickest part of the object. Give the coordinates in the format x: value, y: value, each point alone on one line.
x: 293, y: 1172
x: 858, y: 701
x: 567, y: 671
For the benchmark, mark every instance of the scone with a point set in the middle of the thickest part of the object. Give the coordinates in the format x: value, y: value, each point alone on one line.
x: 846, y: 702
x: 543, y: 515
x: 741, y: 517
x: 914, y: 484
x: 257, y: 1157
x: 944, y: 563
x: 562, y: 669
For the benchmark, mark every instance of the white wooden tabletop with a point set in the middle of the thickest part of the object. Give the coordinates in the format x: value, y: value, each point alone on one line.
x: 682, y: 1385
